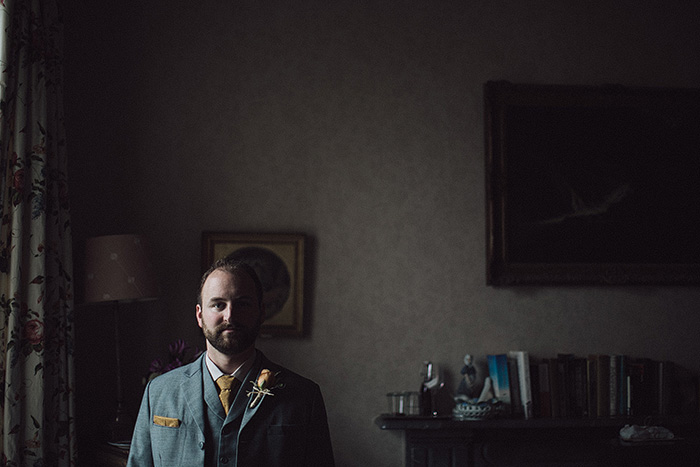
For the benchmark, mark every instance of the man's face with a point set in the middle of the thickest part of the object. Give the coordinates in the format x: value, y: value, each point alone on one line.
x: 230, y: 315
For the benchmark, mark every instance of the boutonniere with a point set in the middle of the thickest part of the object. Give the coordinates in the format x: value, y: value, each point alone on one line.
x: 263, y: 387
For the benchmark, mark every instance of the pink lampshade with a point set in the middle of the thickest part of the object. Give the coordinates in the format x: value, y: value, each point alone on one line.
x: 117, y: 268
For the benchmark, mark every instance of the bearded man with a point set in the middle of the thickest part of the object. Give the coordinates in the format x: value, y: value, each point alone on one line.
x: 232, y: 406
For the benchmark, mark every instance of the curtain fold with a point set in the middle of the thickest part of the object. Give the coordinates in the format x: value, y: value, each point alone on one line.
x: 36, y: 288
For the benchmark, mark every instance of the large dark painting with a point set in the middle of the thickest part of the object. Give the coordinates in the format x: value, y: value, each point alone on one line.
x: 592, y: 185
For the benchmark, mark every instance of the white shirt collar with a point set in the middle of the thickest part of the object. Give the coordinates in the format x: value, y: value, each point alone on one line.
x: 239, y: 373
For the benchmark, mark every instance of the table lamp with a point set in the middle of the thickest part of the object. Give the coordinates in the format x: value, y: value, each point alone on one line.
x: 117, y: 271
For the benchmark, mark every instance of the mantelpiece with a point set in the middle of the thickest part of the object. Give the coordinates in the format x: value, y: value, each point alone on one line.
x: 443, y: 442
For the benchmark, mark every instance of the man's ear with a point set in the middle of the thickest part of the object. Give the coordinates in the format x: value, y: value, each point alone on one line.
x: 198, y: 314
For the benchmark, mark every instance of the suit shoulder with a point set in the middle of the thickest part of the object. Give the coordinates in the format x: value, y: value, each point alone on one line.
x: 297, y: 378
x: 177, y: 374
x: 289, y: 377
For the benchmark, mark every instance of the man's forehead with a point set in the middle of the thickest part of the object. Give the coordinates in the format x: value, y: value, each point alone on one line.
x: 222, y: 279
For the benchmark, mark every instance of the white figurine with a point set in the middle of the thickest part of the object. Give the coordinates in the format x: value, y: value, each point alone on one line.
x: 468, y: 386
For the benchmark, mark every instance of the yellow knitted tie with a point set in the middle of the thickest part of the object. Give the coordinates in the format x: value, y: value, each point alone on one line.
x: 228, y: 386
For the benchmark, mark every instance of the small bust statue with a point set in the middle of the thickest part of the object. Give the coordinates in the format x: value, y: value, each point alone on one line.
x: 468, y: 386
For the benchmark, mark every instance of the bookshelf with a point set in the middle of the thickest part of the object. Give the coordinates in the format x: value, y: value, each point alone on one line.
x: 595, y: 386
x: 565, y: 411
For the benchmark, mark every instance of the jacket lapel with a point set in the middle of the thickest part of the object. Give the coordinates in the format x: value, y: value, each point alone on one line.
x: 192, y: 387
x: 197, y: 394
x: 241, y: 402
x: 260, y: 363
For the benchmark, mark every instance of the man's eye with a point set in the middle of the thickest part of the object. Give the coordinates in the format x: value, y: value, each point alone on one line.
x: 219, y: 306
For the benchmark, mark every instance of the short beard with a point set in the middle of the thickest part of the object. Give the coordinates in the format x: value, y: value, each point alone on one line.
x: 234, y: 344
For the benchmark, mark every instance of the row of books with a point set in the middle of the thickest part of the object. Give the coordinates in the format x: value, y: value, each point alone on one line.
x: 595, y: 386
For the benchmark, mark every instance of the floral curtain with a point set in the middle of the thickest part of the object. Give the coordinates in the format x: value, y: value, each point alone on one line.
x: 36, y: 305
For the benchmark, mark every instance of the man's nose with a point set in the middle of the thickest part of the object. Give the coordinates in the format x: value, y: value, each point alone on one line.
x: 227, y: 313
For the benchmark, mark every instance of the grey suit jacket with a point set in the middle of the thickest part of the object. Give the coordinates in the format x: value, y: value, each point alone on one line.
x: 287, y: 429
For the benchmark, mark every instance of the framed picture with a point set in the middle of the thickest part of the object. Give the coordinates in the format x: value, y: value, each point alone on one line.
x: 592, y: 185
x: 279, y: 261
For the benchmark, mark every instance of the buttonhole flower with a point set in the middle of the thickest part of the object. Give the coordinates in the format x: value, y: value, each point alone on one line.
x: 264, y: 386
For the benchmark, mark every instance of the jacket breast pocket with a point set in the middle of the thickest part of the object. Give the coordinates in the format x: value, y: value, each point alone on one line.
x: 285, y: 430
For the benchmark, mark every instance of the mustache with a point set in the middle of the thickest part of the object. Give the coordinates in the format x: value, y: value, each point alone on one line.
x: 230, y: 327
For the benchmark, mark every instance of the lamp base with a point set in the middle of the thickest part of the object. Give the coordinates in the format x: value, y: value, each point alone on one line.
x: 121, y: 428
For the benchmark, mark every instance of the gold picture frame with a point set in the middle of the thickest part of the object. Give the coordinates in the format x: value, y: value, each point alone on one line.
x: 279, y: 261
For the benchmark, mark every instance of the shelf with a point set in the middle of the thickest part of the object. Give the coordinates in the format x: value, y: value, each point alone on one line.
x: 391, y: 422
x: 403, y: 422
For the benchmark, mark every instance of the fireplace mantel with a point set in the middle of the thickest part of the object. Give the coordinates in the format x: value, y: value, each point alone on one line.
x: 444, y: 442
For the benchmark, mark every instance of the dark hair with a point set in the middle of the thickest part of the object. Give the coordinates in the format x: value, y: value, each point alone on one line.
x: 232, y: 266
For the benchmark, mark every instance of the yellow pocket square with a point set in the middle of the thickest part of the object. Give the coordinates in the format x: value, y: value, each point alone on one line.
x: 166, y: 421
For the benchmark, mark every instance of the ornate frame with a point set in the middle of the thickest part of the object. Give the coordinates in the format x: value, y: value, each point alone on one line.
x: 279, y: 261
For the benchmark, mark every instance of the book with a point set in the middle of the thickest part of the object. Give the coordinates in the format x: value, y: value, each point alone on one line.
x: 579, y: 399
x: 565, y: 384
x: 544, y: 391
x: 591, y: 386
x: 642, y: 387
x: 535, y: 389
x: 554, y: 387
x: 623, y: 386
x: 614, y: 381
x: 636, y: 390
x: 573, y: 386
x: 603, y: 385
x: 517, y: 408
x: 522, y: 364
x: 498, y: 371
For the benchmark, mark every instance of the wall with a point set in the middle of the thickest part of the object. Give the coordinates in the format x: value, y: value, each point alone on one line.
x: 358, y: 123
